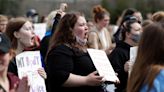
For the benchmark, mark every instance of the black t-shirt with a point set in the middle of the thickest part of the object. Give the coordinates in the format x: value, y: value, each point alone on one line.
x: 13, y: 67
x: 118, y: 57
x: 62, y: 61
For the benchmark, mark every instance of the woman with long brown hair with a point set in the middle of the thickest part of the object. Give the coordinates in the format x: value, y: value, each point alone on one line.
x: 148, y: 71
x: 21, y: 33
x: 69, y: 67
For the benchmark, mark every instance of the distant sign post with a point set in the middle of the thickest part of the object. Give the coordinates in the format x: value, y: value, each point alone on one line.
x: 28, y: 63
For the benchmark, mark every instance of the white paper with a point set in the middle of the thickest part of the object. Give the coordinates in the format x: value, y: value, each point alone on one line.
x: 102, y: 64
x: 133, y: 54
x: 40, y: 29
x: 28, y: 63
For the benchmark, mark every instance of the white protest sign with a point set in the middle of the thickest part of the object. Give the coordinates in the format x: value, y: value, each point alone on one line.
x: 40, y: 29
x: 133, y: 53
x: 102, y: 64
x: 28, y: 63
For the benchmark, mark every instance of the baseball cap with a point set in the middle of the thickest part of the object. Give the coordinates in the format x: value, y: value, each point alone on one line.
x: 31, y: 12
x: 5, y: 44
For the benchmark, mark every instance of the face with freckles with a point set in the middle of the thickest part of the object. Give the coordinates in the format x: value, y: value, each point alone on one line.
x: 80, y: 30
x: 26, y: 35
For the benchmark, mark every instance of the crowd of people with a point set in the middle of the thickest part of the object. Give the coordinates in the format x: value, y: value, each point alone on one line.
x: 68, y: 67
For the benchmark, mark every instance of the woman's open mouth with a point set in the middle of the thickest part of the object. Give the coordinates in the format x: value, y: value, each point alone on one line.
x: 86, y: 35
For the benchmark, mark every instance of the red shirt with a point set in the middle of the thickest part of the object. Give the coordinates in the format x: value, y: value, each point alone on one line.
x: 13, y: 80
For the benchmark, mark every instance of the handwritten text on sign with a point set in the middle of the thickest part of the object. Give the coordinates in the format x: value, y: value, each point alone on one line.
x: 28, y: 63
